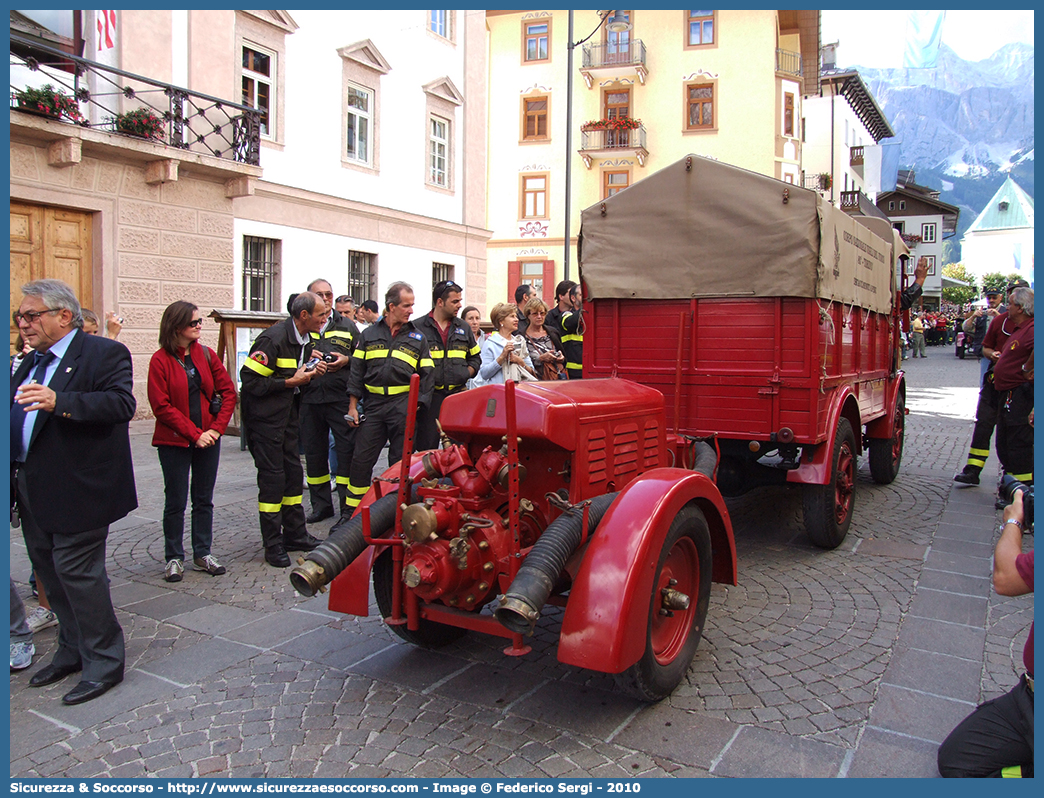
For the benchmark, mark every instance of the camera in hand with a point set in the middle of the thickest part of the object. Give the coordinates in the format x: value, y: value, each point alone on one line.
x: 1009, y: 486
x: 329, y: 357
x: 312, y: 363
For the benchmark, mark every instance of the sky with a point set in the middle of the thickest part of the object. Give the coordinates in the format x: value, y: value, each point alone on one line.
x: 875, y: 38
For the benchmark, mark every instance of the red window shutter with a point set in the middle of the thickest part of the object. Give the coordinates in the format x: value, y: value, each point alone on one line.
x: 549, y: 284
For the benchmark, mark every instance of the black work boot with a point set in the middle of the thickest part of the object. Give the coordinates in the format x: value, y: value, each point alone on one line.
x: 277, y: 556
x: 301, y: 542
x: 969, y: 476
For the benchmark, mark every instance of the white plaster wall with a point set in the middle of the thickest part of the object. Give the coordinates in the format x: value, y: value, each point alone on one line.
x: 816, y: 150
x: 308, y: 254
x: 311, y: 156
x: 994, y: 251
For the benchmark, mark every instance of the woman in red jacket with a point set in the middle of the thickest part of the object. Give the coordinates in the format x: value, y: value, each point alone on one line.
x: 185, y: 378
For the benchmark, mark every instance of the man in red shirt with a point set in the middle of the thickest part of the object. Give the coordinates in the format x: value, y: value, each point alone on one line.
x: 986, y: 412
x: 1013, y: 379
x: 996, y: 740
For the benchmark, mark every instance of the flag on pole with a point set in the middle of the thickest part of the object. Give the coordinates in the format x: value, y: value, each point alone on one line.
x: 923, y: 38
x: 106, y: 21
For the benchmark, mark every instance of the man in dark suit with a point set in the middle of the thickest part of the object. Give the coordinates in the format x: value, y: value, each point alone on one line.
x: 72, y: 477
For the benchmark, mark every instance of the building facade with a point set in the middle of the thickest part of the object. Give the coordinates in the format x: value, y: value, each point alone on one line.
x: 1001, y: 237
x: 369, y: 165
x: 924, y: 221
x: 722, y: 84
x: 844, y: 128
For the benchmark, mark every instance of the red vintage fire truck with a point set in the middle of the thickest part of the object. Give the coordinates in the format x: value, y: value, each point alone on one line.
x: 767, y: 318
x: 763, y: 315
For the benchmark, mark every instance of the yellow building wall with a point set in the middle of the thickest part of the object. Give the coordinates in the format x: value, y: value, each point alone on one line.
x: 747, y: 133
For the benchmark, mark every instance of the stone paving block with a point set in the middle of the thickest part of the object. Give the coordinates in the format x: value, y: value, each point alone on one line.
x: 971, y: 533
x: 215, y: 619
x: 758, y: 753
x: 932, y: 672
x: 275, y: 628
x: 958, y: 563
x: 955, y: 583
x: 488, y: 687
x: 899, y: 709
x: 34, y: 734
x: 198, y: 662
x: 128, y: 593
x: 582, y: 710
x: 982, y: 549
x: 408, y: 666
x: 883, y: 754
x: 935, y: 605
x: 883, y: 547
x: 137, y: 689
x: 944, y: 638
x: 168, y: 605
x: 683, y: 737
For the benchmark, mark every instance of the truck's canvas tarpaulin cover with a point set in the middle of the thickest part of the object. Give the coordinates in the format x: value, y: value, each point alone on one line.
x: 716, y: 230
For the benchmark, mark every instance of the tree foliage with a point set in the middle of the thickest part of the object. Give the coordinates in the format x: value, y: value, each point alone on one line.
x: 998, y: 281
x: 959, y: 294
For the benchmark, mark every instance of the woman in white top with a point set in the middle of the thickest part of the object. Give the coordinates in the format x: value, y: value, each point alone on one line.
x: 504, y: 353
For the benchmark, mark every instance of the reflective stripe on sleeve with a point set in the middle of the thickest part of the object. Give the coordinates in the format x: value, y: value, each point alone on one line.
x: 286, y: 363
x: 426, y: 363
x: 253, y: 365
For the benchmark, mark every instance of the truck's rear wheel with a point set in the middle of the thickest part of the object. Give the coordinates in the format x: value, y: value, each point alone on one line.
x: 429, y: 633
x: 828, y: 508
x: 673, y: 632
x: 886, y: 454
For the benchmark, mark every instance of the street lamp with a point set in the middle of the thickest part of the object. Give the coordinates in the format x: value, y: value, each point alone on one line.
x: 614, y: 23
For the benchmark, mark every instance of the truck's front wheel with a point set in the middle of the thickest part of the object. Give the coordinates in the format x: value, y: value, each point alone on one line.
x: 429, y: 633
x: 683, y: 576
x: 828, y: 508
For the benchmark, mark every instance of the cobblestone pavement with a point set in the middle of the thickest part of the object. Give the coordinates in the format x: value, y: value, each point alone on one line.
x: 850, y: 662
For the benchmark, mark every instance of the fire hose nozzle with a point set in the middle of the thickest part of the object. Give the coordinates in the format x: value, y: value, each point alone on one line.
x: 517, y: 614
x: 308, y: 578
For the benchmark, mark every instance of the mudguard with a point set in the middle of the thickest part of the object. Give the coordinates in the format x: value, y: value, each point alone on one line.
x: 607, y: 614
x: 816, y: 464
x: 884, y: 426
x: 350, y: 589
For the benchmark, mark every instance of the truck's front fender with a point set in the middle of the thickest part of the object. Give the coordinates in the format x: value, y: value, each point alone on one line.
x: 607, y: 614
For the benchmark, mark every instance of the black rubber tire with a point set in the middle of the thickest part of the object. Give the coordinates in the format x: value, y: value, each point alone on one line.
x: 429, y: 634
x: 671, y: 642
x: 886, y: 454
x: 828, y: 508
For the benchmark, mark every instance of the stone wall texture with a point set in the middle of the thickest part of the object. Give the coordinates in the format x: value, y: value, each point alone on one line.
x: 159, y: 244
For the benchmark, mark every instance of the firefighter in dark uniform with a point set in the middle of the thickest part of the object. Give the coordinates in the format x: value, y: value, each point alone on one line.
x: 572, y: 323
x: 388, y: 353
x: 273, y: 375
x: 563, y: 302
x: 453, y: 351
x: 323, y: 406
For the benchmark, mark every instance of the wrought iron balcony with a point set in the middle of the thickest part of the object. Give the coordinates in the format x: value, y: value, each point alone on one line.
x: 600, y: 141
x: 614, y: 59
x: 816, y: 182
x: 192, y: 121
x: 789, y: 63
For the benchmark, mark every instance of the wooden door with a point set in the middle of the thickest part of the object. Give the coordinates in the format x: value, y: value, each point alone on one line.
x: 53, y: 243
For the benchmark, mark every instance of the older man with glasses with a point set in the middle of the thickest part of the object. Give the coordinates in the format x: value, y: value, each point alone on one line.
x: 71, y: 403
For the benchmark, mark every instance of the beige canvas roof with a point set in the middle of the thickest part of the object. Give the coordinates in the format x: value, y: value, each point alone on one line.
x: 702, y: 228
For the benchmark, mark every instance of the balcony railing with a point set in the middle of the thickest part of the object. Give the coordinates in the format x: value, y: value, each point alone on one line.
x: 850, y: 200
x: 789, y: 63
x: 192, y: 121
x: 620, y: 54
x: 614, y: 59
x: 855, y: 156
x: 600, y: 140
x: 814, y: 182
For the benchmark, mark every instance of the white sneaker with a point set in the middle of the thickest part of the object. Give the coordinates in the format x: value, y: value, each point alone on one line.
x: 22, y: 655
x: 41, y: 618
x: 173, y: 571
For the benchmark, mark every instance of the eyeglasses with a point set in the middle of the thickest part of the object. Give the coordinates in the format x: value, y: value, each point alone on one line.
x: 195, y: 323
x: 31, y: 316
x: 324, y: 294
